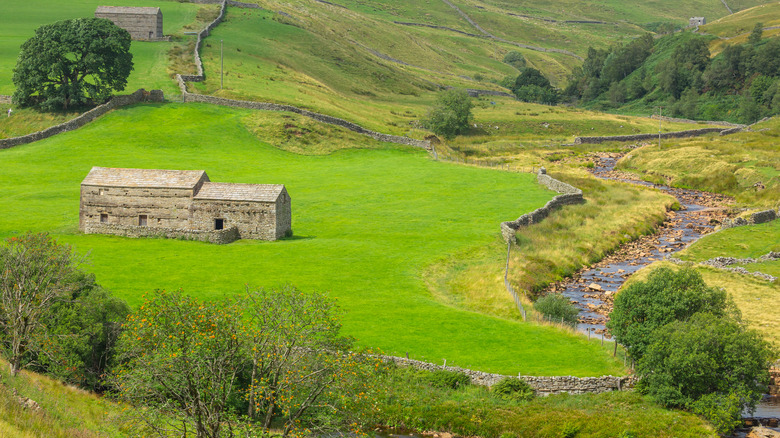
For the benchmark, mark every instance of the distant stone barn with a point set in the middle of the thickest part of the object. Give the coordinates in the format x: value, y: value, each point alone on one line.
x: 145, y: 24
x: 696, y: 21
x: 181, y: 204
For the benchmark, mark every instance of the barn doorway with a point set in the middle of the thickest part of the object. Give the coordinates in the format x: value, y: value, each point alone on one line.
x: 219, y: 224
x: 142, y: 220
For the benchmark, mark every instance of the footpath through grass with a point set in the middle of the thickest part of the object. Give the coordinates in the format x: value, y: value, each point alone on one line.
x: 19, y: 19
x: 366, y: 225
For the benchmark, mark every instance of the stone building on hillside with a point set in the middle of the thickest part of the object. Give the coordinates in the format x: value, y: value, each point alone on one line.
x: 145, y: 24
x: 696, y: 21
x: 181, y: 204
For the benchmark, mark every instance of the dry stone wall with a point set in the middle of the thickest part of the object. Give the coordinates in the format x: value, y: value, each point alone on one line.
x: 542, y: 386
x: 217, y: 236
x: 643, y: 137
x: 759, y: 217
x: 5, y: 99
x: 569, y: 195
x: 115, y: 102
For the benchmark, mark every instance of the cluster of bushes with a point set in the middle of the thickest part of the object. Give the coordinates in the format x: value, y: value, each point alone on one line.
x: 692, y: 351
x: 267, y: 358
x: 557, y: 308
x: 679, y: 73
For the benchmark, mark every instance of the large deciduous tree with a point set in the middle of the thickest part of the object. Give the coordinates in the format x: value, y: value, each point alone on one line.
x: 34, y: 273
x: 69, y: 62
x: 666, y: 296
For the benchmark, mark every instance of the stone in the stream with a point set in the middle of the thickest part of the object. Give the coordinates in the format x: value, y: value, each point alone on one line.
x: 763, y: 432
x: 595, y: 286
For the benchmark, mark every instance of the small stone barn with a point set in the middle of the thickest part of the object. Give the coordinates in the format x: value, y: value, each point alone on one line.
x: 143, y: 24
x: 181, y: 203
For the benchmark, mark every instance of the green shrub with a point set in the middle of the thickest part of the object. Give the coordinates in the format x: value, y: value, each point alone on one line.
x: 447, y: 379
x: 557, y: 307
x: 510, y: 388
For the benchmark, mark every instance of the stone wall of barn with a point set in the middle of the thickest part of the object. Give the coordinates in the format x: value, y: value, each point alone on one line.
x: 143, y: 27
x: 134, y: 231
x: 254, y: 220
x: 163, y: 207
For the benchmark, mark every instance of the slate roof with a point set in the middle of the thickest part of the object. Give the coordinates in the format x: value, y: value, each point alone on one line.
x: 147, y: 178
x: 239, y: 192
x: 127, y: 10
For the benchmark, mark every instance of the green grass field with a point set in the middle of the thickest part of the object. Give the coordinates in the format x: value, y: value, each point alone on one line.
x: 743, y: 21
x: 366, y: 225
x: 20, y: 19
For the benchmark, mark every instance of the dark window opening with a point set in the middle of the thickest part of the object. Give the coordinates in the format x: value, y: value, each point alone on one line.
x: 103, y: 217
x: 142, y: 220
x: 219, y: 224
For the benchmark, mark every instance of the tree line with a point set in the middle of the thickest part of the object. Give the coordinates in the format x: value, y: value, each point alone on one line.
x: 679, y: 73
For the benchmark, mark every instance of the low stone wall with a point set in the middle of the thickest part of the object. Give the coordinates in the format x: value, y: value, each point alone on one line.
x: 641, y: 137
x: 217, y: 236
x: 697, y: 122
x: 759, y: 217
x: 266, y: 106
x: 5, y: 99
x: 542, y: 386
x: 569, y: 195
x: 77, y: 122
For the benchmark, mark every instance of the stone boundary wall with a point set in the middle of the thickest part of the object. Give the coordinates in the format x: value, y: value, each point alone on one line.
x: 569, y: 195
x: 697, y: 122
x: 217, y: 236
x: 5, y: 99
x: 758, y: 217
x: 552, y: 20
x: 266, y: 106
x: 229, y: 2
x: 140, y: 95
x: 542, y: 386
x: 476, y: 93
x: 726, y: 263
x: 640, y: 137
x: 433, y: 26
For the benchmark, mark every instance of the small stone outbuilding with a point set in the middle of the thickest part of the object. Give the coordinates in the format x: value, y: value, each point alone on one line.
x: 144, y: 24
x: 696, y: 21
x: 181, y: 204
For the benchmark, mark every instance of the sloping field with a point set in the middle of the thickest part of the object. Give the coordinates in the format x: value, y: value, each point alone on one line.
x: 366, y: 224
x: 19, y: 20
x: 743, y: 22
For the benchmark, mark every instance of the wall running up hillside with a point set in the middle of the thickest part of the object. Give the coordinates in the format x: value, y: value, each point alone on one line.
x: 267, y: 106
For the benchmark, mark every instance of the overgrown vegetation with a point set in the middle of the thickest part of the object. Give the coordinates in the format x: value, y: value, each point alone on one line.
x: 556, y: 308
x: 451, y: 114
x: 691, y: 347
x: 678, y: 73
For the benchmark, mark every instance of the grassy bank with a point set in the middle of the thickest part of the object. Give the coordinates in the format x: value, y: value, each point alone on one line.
x: 407, y: 400
x: 366, y: 224
x: 731, y: 165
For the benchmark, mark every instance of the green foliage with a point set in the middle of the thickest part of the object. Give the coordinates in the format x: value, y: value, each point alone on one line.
x: 710, y: 364
x: 532, y: 86
x: 35, y: 272
x: 82, y: 331
x: 451, y: 114
x: 557, y: 307
x: 70, y: 62
x: 641, y: 308
x: 755, y: 35
x: 515, y: 59
x: 447, y: 379
x: 511, y: 388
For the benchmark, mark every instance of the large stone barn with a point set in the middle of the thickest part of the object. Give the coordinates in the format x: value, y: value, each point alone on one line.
x: 145, y: 24
x: 181, y: 204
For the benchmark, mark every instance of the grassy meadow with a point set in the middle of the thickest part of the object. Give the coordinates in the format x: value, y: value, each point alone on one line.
x: 20, y: 19
x: 366, y: 223
x: 743, y: 22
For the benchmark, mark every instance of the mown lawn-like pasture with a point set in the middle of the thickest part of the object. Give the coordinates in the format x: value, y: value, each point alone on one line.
x: 19, y: 20
x: 366, y: 224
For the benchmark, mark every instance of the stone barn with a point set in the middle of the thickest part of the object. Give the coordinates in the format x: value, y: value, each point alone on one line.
x: 145, y: 24
x: 181, y: 204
